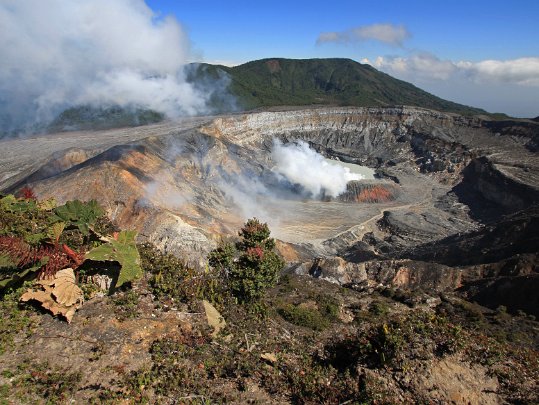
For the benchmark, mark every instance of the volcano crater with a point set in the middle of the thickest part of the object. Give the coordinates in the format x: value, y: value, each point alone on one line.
x: 185, y: 185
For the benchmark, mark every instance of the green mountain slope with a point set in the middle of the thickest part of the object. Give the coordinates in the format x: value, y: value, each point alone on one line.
x: 279, y: 82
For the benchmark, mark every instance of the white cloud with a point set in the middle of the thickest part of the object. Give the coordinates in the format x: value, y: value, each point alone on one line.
x: 394, y: 35
x: 523, y: 71
x: 508, y: 86
x: 59, y: 53
x: 424, y: 66
x: 332, y: 37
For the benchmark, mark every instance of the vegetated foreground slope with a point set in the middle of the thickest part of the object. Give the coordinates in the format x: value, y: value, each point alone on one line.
x: 293, y: 82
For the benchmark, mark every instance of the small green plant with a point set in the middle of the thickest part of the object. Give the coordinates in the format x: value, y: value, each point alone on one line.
x: 41, y: 380
x: 80, y: 214
x: 23, y: 219
x: 251, y: 265
x: 125, y: 304
x: 15, y: 320
x: 387, y: 342
x: 311, y: 382
x: 379, y: 308
x: 34, y: 242
x: 10, y: 203
x: 38, y: 241
x: 304, y: 316
x: 327, y: 306
x: 173, y: 374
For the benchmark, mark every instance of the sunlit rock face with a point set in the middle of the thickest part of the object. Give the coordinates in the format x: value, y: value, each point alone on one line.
x: 184, y: 185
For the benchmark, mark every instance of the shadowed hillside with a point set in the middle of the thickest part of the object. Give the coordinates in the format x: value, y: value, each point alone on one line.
x: 89, y: 117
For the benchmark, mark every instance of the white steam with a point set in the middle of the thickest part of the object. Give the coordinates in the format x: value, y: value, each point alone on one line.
x: 301, y: 165
x: 58, y: 53
x: 164, y: 191
x: 251, y: 197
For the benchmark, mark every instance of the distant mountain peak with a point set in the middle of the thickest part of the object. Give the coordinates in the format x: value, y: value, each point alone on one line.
x: 273, y: 82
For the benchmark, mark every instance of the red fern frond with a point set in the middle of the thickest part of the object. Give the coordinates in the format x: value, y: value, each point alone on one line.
x: 19, y: 251
x: 58, y: 260
x: 23, y: 255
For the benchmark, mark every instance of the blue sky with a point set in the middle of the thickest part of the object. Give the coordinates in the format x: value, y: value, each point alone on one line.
x: 240, y: 31
x: 442, y: 52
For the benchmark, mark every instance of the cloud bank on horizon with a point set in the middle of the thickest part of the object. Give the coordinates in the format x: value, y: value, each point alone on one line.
x: 509, y: 86
x: 491, y: 84
x: 57, y: 54
x: 521, y: 71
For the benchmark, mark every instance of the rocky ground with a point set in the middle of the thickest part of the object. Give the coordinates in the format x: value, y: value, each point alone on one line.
x: 434, y: 291
x: 317, y: 343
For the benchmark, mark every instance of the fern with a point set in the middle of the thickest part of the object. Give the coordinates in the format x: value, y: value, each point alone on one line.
x: 45, y: 261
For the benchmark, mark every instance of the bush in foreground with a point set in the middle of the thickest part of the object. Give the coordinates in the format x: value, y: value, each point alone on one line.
x: 251, y: 265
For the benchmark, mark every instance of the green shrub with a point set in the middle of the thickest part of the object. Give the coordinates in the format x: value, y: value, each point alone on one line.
x: 251, y: 265
x: 171, y: 278
x: 379, y: 308
x: 328, y: 306
x: 314, y: 383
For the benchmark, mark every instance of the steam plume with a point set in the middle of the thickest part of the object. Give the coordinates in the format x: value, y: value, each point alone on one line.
x: 58, y: 53
x: 301, y: 165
